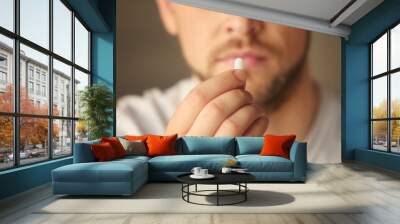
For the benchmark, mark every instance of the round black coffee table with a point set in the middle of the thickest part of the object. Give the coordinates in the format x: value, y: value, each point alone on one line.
x: 238, y: 179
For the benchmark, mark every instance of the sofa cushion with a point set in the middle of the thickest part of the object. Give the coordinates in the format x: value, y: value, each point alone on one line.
x: 116, y: 145
x: 249, y: 145
x: 257, y: 163
x: 103, y: 152
x: 111, y: 171
x: 159, y: 145
x: 185, y: 163
x: 277, y: 145
x: 195, y: 145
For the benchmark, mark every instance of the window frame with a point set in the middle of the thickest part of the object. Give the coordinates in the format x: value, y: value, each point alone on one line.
x: 16, y: 115
x: 388, y: 74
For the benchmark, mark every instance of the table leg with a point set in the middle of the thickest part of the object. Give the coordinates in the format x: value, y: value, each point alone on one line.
x: 245, y: 193
x: 195, y: 188
x: 217, y: 194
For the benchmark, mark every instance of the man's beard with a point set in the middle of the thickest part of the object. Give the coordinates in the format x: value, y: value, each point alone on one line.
x: 281, y: 86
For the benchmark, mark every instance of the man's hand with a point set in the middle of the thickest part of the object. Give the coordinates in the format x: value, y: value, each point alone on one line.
x: 219, y: 106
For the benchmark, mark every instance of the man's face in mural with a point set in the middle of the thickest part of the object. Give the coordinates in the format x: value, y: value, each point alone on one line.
x: 210, y: 41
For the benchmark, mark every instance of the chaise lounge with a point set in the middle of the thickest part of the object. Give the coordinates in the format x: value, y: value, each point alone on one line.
x: 125, y: 176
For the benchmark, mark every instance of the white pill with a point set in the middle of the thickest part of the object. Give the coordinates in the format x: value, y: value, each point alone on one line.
x: 238, y: 63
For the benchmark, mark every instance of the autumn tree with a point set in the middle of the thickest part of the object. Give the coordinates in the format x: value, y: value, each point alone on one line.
x: 33, y: 131
x: 380, y: 127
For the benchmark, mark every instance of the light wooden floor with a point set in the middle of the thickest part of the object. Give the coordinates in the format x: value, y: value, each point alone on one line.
x: 353, y: 182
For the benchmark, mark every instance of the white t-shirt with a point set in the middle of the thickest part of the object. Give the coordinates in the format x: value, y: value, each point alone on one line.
x: 150, y: 113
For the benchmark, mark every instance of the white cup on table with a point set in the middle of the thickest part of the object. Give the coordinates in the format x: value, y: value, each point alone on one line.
x: 196, y: 171
x: 203, y: 172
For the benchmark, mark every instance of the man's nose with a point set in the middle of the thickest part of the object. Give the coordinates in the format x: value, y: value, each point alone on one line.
x: 236, y: 25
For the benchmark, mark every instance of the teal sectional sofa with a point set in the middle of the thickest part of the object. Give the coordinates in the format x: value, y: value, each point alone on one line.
x: 125, y: 176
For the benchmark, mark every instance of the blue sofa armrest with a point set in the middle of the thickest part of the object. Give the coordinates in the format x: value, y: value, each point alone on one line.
x: 298, y: 155
x: 83, y: 153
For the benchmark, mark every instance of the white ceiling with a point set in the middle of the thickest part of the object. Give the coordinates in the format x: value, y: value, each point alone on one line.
x: 320, y: 9
x: 326, y: 16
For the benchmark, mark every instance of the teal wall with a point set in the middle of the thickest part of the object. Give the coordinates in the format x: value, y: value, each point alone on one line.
x: 99, y: 15
x: 355, y: 86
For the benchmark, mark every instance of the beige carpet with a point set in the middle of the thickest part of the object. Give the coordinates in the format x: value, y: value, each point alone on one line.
x: 166, y: 198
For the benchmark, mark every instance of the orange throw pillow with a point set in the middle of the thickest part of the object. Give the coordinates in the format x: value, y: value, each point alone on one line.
x: 103, y: 152
x: 277, y: 145
x: 116, y: 145
x: 161, y: 145
x: 135, y: 137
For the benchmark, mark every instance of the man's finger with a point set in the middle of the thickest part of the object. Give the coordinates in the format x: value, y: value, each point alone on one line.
x: 202, y: 94
x: 215, y: 112
x: 258, y: 128
x: 240, y: 121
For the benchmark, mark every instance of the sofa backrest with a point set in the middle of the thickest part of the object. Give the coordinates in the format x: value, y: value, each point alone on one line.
x: 192, y: 145
x: 249, y: 145
x: 83, y: 152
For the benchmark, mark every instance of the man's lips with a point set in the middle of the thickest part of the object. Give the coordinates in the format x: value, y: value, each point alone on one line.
x: 250, y: 59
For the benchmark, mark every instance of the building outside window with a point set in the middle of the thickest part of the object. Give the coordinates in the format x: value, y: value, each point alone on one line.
x: 58, y: 127
x: 385, y: 91
x: 30, y: 87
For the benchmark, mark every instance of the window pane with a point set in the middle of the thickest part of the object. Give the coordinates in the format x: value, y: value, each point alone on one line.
x: 379, y: 100
x: 35, y: 21
x: 7, y: 14
x: 379, y: 55
x: 379, y: 135
x: 33, y: 140
x: 81, y: 45
x: 34, y: 74
x: 62, y: 89
x: 81, y: 81
x: 6, y: 142
x: 81, y: 131
x: 6, y: 74
x: 395, y: 94
x: 62, y: 138
x: 395, y: 136
x: 395, y: 47
x: 62, y: 29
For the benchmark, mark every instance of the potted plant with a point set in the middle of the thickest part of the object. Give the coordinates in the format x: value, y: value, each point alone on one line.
x: 96, y: 103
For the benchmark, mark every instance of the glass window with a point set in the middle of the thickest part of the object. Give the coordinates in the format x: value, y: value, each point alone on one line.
x: 35, y: 21
x: 6, y: 73
x: 379, y: 56
x: 379, y: 135
x: 40, y: 62
x: 34, y: 79
x: 385, y: 92
x: 7, y: 14
x: 33, y: 140
x: 81, y: 131
x: 30, y: 71
x: 395, y: 47
x: 379, y: 100
x: 81, y: 82
x: 6, y: 142
x: 62, y: 137
x: 81, y: 45
x: 62, y: 29
x: 395, y: 136
x: 62, y: 72
x: 395, y: 95
x: 30, y: 87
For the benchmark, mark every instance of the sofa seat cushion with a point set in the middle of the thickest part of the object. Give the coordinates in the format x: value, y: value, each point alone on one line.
x: 257, y: 163
x: 112, y: 171
x: 185, y: 163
